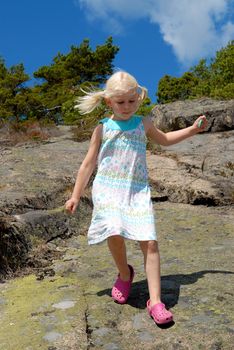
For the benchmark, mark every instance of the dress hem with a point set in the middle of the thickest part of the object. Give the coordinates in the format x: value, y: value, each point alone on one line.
x: 102, y: 239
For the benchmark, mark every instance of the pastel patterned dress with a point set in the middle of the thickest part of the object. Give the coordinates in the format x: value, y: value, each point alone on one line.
x: 121, y: 193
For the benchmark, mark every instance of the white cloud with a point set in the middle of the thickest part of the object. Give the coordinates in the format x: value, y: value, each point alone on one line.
x: 194, y: 28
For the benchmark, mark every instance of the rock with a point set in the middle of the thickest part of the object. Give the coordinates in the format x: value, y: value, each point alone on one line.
x: 19, y: 234
x: 36, y: 179
x: 199, y: 170
x: 74, y: 309
x: 14, y: 246
x: 179, y: 114
x: 67, y: 305
x: 39, y: 176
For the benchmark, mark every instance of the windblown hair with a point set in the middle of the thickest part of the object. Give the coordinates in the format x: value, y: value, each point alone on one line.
x: 119, y: 83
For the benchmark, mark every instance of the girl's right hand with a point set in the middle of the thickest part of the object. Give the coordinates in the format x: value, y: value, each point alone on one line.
x: 71, y: 205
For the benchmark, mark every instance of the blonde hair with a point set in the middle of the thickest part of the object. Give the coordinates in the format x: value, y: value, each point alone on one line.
x: 119, y: 83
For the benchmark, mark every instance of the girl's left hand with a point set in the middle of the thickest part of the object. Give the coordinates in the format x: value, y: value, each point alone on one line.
x: 200, y: 123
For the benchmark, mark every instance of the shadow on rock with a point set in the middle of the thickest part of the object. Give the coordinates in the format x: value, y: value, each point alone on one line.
x: 171, y: 284
x: 170, y: 288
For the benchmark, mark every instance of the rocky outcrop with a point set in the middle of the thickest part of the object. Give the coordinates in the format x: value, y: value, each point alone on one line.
x: 66, y: 298
x: 69, y: 306
x: 14, y: 246
x: 179, y: 114
x: 197, y: 171
x: 36, y: 179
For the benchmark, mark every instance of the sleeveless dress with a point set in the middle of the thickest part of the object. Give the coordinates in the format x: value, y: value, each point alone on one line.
x: 120, y: 192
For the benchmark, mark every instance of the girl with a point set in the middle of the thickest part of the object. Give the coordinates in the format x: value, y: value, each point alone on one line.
x: 121, y: 193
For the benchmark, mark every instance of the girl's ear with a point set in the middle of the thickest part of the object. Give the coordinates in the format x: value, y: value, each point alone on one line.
x: 107, y: 101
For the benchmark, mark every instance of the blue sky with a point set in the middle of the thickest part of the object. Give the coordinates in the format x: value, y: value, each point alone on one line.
x: 156, y: 37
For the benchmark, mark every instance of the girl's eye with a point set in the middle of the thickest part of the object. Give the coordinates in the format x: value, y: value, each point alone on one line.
x: 122, y: 102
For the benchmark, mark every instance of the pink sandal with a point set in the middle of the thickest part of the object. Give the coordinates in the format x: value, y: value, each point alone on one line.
x: 159, y: 313
x: 121, y: 289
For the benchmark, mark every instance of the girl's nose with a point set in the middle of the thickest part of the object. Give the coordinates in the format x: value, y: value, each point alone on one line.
x: 126, y: 105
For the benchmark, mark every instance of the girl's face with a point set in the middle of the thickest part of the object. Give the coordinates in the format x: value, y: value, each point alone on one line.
x: 123, y: 106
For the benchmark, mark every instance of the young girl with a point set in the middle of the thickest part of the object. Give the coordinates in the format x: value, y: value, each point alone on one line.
x: 121, y: 193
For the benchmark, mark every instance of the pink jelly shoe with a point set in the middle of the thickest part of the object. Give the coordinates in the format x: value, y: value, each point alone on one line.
x: 159, y: 313
x: 121, y: 289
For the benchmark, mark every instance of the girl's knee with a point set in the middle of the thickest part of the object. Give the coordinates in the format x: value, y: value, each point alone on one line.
x: 150, y: 246
x: 153, y: 246
x: 118, y: 240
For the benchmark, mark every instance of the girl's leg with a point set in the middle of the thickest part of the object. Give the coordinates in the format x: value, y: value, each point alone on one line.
x: 152, y: 269
x: 118, y: 250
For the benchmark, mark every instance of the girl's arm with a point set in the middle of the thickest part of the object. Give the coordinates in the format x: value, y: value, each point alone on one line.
x: 172, y: 137
x: 86, y: 169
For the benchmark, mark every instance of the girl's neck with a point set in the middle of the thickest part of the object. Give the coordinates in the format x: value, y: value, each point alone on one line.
x: 118, y: 118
